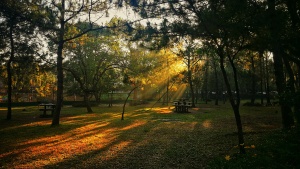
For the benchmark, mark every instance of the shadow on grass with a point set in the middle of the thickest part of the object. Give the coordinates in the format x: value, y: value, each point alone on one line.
x: 156, y: 138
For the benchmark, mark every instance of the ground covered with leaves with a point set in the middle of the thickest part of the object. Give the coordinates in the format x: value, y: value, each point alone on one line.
x: 147, y: 138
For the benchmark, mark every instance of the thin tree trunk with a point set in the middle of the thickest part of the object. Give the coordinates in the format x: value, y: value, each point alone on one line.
x: 191, y: 83
x: 267, y: 83
x: 261, y: 57
x: 87, y: 102
x: 111, y: 99
x: 234, y: 105
x: 216, y: 83
x: 192, y: 90
x: 123, y: 112
x: 253, y: 85
x: 206, y: 82
x: 298, y: 77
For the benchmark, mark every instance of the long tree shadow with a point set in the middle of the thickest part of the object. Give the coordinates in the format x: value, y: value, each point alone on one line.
x: 145, y: 139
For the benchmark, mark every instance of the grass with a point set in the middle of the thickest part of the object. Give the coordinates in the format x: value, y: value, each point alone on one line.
x: 147, y: 138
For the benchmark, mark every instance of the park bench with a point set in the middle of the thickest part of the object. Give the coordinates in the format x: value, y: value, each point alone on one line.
x: 44, y: 107
x: 182, y: 106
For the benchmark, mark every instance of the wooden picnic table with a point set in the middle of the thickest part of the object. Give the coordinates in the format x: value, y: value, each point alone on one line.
x: 44, y: 107
x: 182, y: 106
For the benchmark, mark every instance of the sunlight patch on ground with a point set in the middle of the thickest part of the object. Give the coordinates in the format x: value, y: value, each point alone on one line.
x: 53, y: 149
x: 134, y: 125
x: 164, y: 110
x: 207, y: 124
x: 39, y: 152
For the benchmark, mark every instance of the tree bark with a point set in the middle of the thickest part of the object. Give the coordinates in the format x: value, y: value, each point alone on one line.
x: 191, y: 83
x: 9, y: 74
x: 123, y: 112
x: 234, y: 104
x: 60, y: 75
x: 59, y: 96
x: 206, y: 74
x: 87, y: 102
x: 267, y: 83
x: 291, y: 80
x: 286, y: 111
x: 216, y: 83
x: 262, y: 75
x: 253, y: 85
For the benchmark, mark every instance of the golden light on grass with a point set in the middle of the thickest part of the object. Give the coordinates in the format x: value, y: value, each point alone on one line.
x: 207, y: 124
x: 55, y: 148
x: 164, y: 110
x: 135, y: 124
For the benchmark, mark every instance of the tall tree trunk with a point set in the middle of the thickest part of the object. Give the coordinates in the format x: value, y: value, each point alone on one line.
x: 60, y: 75
x: 262, y: 75
x: 286, y: 111
x: 291, y: 81
x: 216, y: 83
x: 253, y: 78
x: 59, y: 96
x: 191, y: 83
x: 298, y: 77
x: 234, y: 104
x: 191, y: 88
x: 206, y: 82
x: 9, y: 73
x: 267, y: 82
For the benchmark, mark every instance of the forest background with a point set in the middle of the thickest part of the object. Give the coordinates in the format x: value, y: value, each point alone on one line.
x: 212, y: 49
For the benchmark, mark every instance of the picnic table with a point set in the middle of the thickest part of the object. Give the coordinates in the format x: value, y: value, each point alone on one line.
x: 44, y: 107
x: 182, y: 106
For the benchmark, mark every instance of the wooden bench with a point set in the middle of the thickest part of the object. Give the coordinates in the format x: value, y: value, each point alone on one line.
x: 44, y: 107
x: 182, y: 106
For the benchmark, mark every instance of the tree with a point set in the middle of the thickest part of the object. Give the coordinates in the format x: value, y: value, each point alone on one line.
x: 45, y: 85
x: 191, y: 58
x: 141, y: 66
x: 17, y: 42
x: 224, y: 26
x: 61, y: 14
x: 275, y: 17
x: 89, y: 58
